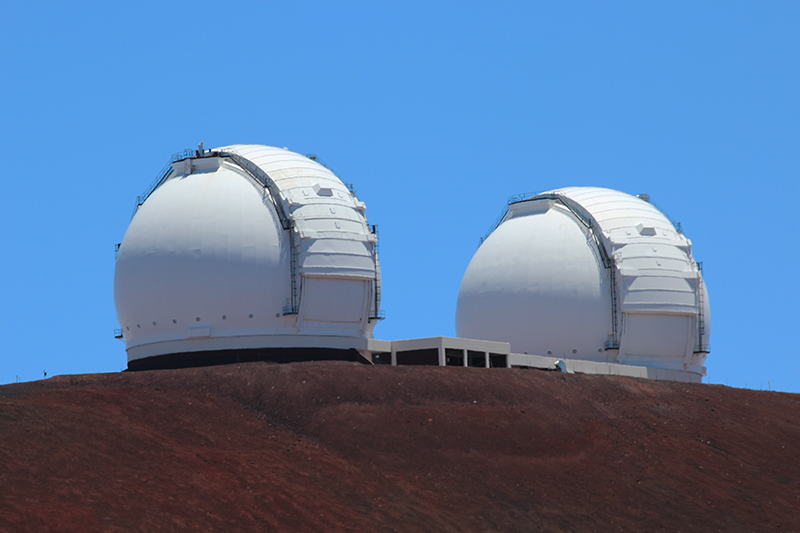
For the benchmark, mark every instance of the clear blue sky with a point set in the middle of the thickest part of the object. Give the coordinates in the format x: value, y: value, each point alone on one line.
x: 436, y: 111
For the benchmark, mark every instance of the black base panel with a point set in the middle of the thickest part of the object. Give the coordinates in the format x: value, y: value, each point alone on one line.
x: 227, y: 357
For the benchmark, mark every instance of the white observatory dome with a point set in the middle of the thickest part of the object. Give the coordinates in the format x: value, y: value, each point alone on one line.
x: 246, y: 247
x: 591, y: 274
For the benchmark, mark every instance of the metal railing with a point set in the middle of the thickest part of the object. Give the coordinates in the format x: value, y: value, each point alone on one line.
x: 516, y: 198
x: 162, y: 176
x: 350, y: 187
x: 499, y: 220
x: 676, y: 225
x: 315, y: 158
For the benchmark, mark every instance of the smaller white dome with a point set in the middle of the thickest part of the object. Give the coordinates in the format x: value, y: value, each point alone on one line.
x: 592, y: 274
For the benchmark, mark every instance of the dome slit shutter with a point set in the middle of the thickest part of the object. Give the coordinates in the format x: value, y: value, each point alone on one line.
x: 286, y: 222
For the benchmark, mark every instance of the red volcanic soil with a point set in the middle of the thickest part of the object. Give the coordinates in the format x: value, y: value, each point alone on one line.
x: 339, y: 446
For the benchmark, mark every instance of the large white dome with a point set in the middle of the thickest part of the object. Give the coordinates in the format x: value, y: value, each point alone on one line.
x: 592, y: 274
x: 246, y: 247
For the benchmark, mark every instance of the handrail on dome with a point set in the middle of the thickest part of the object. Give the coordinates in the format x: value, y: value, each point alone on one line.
x: 162, y: 176
x: 675, y: 224
x: 511, y: 200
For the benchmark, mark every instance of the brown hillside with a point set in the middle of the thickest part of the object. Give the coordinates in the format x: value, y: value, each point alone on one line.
x: 346, y: 447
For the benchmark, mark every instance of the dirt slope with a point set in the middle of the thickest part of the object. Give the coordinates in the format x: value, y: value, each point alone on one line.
x: 348, y: 447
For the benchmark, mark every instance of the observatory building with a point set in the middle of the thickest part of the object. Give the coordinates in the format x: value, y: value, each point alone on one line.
x: 594, y: 277
x: 249, y: 252
x: 242, y: 249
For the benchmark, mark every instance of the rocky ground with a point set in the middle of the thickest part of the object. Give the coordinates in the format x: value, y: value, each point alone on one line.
x: 340, y: 446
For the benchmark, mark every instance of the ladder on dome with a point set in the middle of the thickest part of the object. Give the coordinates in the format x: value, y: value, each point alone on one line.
x: 375, y: 311
x: 612, y: 343
x: 701, y: 323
